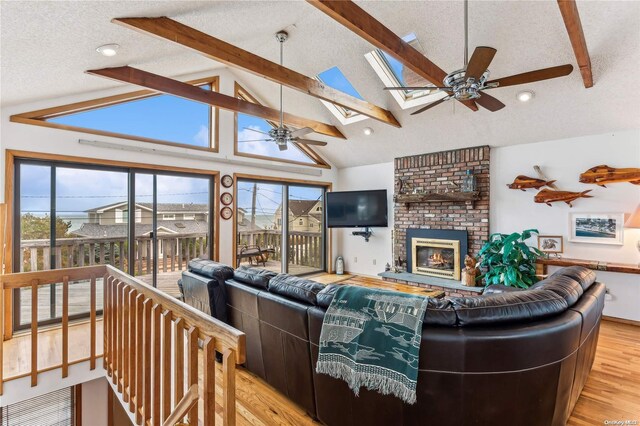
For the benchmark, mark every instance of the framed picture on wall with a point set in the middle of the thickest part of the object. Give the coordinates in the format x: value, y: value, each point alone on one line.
x: 596, y: 228
x: 551, y: 244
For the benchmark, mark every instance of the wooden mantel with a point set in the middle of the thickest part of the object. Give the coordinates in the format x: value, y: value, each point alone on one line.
x: 437, y: 197
x: 626, y: 268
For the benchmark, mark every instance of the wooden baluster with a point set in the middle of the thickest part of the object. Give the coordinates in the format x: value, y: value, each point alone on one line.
x: 126, y: 348
x: 92, y: 254
x: 140, y: 246
x: 179, y: 253
x: 34, y: 333
x: 92, y: 320
x: 209, y: 381
x: 157, y: 340
x: 202, y: 247
x: 164, y: 255
x: 101, y: 248
x: 2, y: 296
x: 146, y: 404
x: 81, y: 254
x: 192, y: 369
x: 33, y: 259
x: 178, y: 368
x: 106, y: 313
x: 58, y: 256
x: 65, y: 326
x: 172, y: 255
x: 187, y: 250
x: 70, y: 251
x: 123, y: 267
x: 139, y: 357
x: 112, y: 254
x: 147, y: 245
x: 133, y: 337
x: 117, y: 327
x: 166, y: 363
x: 229, y: 387
x: 46, y: 259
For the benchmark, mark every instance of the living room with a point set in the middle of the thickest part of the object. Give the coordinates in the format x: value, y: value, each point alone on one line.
x: 196, y: 193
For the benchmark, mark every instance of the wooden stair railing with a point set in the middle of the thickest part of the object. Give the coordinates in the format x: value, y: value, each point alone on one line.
x: 151, y: 346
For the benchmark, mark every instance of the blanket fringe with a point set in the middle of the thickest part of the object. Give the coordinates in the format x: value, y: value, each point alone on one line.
x: 355, y: 380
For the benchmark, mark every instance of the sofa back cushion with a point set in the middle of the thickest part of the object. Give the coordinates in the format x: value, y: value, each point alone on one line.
x: 210, y: 269
x: 583, y: 276
x: 295, y: 288
x: 255, y: 277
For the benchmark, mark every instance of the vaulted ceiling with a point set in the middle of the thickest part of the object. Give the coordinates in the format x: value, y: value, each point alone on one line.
x: 47, y: 46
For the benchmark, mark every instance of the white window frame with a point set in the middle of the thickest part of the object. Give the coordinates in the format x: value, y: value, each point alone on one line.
x: 171, y: 216
x: 138, y: 216
x: 119, y: 216
x: 343, y: 115
x: 188, y: 217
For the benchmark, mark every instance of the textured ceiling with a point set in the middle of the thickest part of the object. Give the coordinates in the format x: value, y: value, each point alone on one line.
x: 46, y: 46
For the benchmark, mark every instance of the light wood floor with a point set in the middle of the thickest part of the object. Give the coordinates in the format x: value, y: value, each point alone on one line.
x: 612, y: 391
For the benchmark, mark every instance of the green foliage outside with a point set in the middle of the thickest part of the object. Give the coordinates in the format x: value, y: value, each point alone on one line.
x: 39, y: 227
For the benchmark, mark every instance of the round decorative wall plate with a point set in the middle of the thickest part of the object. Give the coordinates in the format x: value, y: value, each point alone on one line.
x: 226, y: 198
x: 226, y: 181
x: 226, y: 213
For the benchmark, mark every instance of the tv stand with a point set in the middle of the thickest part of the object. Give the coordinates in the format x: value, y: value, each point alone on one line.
x: 366, y: 233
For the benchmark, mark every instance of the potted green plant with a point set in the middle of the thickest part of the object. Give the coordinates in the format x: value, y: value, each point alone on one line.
x: 508, y: 260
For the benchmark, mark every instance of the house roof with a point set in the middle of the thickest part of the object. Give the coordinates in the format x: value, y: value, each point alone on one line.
x: 179, y: 227
x: 301, y: 207
x: 162, y: 207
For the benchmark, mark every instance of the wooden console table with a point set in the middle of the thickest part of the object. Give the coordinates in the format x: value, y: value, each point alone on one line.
x: 626, y: 268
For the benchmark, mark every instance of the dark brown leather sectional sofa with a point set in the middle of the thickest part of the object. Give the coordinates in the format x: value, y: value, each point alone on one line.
x: 503, y: 358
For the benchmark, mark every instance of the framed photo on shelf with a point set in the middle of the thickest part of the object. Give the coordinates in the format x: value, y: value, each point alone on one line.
x: 596, y: 228
x: 552, y: 244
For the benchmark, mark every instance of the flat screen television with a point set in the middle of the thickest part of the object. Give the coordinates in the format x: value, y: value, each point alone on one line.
x: 356, y: 209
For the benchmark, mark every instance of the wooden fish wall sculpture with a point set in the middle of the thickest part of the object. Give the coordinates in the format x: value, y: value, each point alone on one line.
x: 523, y: 183
x: 548, y: 196
x: 601, y: 175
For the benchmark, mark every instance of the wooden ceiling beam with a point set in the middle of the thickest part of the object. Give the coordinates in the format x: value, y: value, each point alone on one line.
x: 571, y: 18
x: 162, y: 84
x: 366, y: 26
x: 221, y: 51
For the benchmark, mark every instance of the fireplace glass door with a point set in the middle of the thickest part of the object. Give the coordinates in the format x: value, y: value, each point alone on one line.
x: 438, y: 258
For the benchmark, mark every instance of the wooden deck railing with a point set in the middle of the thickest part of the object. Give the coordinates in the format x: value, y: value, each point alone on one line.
x: 305, y: 248
x: 151, y: 346
x: 174, y: 252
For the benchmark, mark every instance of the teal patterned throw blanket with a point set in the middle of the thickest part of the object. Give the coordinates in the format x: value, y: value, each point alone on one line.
x: 372, y: 338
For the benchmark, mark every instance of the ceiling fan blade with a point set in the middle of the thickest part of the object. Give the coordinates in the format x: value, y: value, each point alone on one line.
x: 310, y: 142
x: 531, y: 76
x: 301, y: 132
x: 283, y: 147
x: 257, y: 140
x: 479, y: 62
x: 489, y: 102
x: 431, y: 105
x: 429, y: 88
x: 257, y: 131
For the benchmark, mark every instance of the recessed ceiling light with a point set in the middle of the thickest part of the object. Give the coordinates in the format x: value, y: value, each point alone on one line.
x: 367, y: 131
x: 108, y: 49
x: 525, y: 96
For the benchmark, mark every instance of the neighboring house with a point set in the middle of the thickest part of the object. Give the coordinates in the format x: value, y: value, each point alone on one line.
x: 110, y: 221
x: 304, y: 216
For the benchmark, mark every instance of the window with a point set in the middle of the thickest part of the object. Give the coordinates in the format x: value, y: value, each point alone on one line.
x: 251, y: 143
x: 51, y: 409
x: 143, y: 115
x: 394, y: 73
x: 189, y: 217
x: 301, y: 222
x: 334, y: 78
x: 168, y: 217
x: 119, y: 217
x: 138, y: 215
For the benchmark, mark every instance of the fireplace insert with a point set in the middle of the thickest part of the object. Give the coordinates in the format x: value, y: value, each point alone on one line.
x: 436, y: 257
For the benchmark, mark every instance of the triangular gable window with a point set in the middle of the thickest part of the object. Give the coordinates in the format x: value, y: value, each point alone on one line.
x: 250, y: 139
x: 144, y: 115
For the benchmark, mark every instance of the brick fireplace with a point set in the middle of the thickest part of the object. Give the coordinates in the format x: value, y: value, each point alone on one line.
x: 443, y: 172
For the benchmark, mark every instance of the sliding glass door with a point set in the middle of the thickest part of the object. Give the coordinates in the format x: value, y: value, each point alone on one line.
x: 280, y: 226
x: 145, y: 223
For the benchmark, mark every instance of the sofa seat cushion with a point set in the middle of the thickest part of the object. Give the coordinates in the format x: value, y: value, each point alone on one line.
x: 295, y: 288
x: 210, y: 269
x: 255, y: 277
x: 508, y: 307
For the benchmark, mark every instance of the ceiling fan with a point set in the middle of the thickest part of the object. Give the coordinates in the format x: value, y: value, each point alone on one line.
x: 470, y: 82
x: 282, y: 135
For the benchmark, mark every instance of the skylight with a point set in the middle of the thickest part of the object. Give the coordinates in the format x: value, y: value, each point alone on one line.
x: 163, y: 118
x: 393, y: 73
x: 334, y: 78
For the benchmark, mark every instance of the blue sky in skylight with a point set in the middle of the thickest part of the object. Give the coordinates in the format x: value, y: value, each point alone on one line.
x: 333, y: 77
x: 264, y: 148
x: 395, y: 66
x: 163, y: 117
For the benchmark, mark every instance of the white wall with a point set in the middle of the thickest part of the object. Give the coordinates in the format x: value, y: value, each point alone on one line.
x: 511, y: 210
x: 359, y: 255
x: 95, y: 402
x: 564, y: 160
x: 24, y: 137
